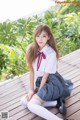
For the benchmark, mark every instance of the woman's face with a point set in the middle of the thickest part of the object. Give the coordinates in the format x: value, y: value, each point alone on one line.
x: 42, y: 39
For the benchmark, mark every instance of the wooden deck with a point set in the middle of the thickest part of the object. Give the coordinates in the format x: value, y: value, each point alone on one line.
x: 12, y: 91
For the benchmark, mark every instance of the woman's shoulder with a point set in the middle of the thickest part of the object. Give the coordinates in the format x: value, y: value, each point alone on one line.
x: 50, y: 52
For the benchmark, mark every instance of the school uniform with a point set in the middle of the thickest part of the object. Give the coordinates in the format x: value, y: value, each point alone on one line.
x: 55, y: 86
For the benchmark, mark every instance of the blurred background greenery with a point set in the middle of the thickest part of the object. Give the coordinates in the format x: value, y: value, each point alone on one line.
x: 15, y: 36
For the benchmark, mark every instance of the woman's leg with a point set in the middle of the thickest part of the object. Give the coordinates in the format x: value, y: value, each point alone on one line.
x: 24, y: 102
x: 35, y: 106
x: 49, y: 104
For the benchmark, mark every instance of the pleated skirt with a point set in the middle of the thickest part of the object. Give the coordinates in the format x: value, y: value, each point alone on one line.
x: 55, y: 87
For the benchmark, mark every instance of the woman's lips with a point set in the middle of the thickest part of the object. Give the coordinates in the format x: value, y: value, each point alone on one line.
x: 40, y: 42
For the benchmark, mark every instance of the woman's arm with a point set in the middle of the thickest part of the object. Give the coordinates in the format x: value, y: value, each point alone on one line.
x: 31, y: 91
x: 44, y: 79
x: 50, y: 67
x: 31, y: 79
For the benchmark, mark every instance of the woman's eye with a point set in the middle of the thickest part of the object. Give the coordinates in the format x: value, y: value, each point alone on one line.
x: 37, y: 36
x: 44, y: 36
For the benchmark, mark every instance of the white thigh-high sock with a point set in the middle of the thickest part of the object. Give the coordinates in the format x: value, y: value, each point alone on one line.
x: 49, y: 104
x: 24, y: 102
x: 35, y: 107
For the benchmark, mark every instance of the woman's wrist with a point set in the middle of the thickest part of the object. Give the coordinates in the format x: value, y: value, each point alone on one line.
x: 31, y: 90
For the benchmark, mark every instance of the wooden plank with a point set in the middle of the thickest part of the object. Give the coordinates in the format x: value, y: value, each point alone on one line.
x: 7, y: 98
x: 21, y: 113
x: 75, y: 63
x: 72, y: 100
x: 17, y: 110
x: 71, y: 74
x: 10, y: 99
x: 75, y: 116
x: 71, y: 54
x: 27, y: 117
x: 37, y: 118
x: 74, y: 92
x: 72, y: 57
x: 74, y: 108
x: 12, y: 91
x: 11, y: 80
x: 12, y: 84
x: 15, y: 88
x: 68, y: 56
x: 75, y: 78
x: 66, y: 68
x: 76, y: 84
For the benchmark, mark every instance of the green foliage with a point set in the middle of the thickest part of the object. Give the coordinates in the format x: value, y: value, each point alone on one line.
x: 15, y: 36
x: 12, y: 60
x: 69, y: 8
x: 4, y: 60
x: 7, y: 33
x: 67, y: 32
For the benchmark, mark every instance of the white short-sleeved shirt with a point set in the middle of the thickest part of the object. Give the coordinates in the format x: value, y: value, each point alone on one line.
x: 47, y: 65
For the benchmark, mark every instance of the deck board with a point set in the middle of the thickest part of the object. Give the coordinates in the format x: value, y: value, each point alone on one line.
x: 12, y: 91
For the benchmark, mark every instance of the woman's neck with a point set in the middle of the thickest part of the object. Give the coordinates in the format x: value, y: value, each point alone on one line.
x: 40, y: 48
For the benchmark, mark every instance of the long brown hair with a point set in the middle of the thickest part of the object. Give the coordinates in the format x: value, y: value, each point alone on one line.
x: 33, y: 48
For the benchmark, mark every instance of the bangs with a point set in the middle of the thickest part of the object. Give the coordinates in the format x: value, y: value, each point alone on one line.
x: 39, y: 29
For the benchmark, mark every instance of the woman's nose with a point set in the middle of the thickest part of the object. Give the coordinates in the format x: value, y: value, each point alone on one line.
x: 40, y: 38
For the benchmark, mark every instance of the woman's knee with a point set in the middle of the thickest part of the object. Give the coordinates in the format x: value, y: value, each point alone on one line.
x: 24, y: 101
x: 32, y: 104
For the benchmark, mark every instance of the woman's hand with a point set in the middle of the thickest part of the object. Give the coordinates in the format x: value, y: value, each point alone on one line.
x: 30, y: 94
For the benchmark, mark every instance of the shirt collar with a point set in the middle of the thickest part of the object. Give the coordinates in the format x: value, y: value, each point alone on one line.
x: 44, y: 48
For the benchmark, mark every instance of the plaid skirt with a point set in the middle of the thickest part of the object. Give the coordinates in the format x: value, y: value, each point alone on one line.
x: 55, y: 87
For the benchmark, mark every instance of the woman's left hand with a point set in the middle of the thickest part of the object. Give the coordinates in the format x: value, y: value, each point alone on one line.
x: 30, y: 94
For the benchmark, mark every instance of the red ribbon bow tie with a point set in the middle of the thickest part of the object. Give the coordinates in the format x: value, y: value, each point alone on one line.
x: 40, y: 55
